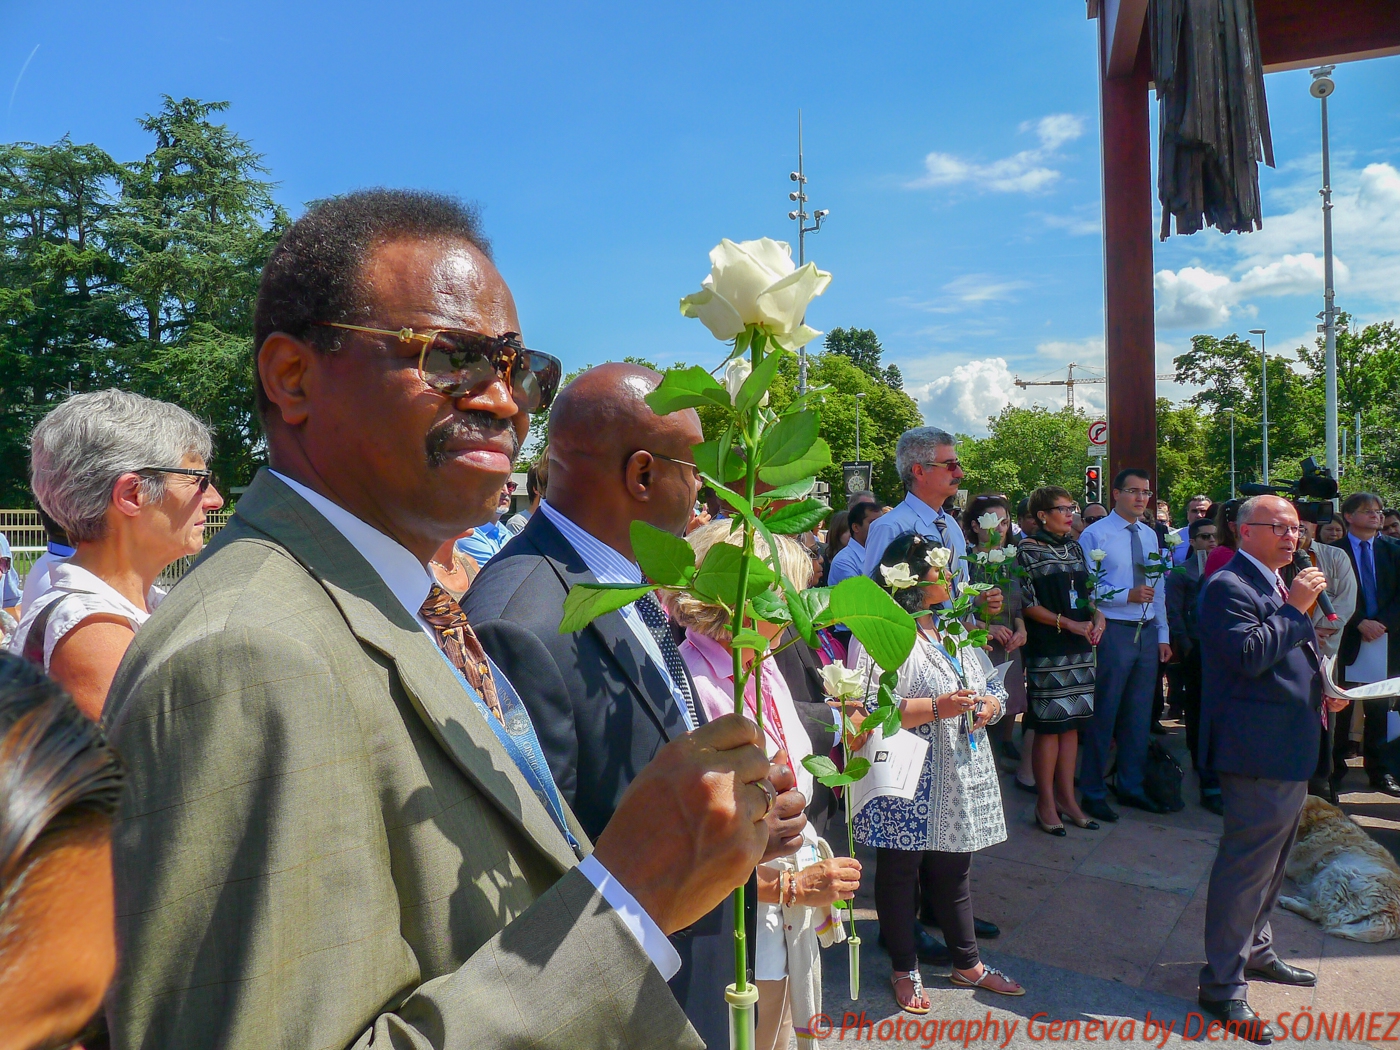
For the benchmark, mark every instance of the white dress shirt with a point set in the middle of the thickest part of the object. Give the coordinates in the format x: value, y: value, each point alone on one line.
x: 409, y: 581
x: 608, y: 566
x: 1269, y: 574
x: 914, y: 515
x: 849, y: 561
x: 1113, y: 536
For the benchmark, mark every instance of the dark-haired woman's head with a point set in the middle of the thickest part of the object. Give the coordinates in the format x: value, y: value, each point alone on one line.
x: 59, y: 787
x: 988, y: 503
x: 912, y: 556
x: 1225, y: 515
x: 1052, y: 507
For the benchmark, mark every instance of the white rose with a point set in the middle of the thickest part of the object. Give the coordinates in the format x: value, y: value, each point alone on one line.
x: 898, y: 577
x: 1173, y: 539
x: 734, y: 375
x: 939, y: 557
x: 990, y: 520
x: 755, y: 282
x: 996, y: 555
x: 1010, y: 551
x: 840, y: 682
x: 1096, y: 555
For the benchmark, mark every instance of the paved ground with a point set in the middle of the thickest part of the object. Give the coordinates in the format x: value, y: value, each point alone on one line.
x: 1106, y: 926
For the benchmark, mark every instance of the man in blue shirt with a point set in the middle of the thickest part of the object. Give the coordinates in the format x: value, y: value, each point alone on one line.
x: 927, y: 461
x: 1197, y: 507
x: 850, y: 559
x: 1128, y: 654
x: 484, y: 541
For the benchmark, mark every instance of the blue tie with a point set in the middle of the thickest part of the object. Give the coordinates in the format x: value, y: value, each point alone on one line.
x: 1368, y: 579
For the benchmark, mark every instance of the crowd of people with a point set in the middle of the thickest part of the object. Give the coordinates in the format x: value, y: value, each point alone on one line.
x: 348, y: 781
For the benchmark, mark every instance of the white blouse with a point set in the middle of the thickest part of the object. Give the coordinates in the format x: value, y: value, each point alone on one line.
x: 77, y: 594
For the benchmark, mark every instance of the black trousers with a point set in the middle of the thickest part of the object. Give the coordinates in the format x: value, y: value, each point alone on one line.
x: 944, y: 879
x: 1374, y: 753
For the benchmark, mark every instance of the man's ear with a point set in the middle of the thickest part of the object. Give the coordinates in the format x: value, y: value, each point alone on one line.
x: 637, y: 475
x: 285, y: 364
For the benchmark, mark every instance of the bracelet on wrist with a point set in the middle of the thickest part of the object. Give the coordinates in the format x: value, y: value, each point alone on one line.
x: 1058, y: 618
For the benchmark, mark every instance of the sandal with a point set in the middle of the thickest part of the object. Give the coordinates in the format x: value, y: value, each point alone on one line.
x: 1003, y: 985
x: 915, y: 978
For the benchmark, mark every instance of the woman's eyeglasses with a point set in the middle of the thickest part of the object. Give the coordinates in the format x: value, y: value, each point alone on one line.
x: 455, y: 362
x: 206, y: 477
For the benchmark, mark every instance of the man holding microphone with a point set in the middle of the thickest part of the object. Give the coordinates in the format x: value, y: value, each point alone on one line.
x: 1261, y: 721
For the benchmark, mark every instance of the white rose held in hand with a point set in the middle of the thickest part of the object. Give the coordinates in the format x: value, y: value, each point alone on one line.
x: 735, y: 373
x: 756, y: 283
x: 1009, y: 551
x: 996, y: 556
x: 1097, y: 556
x: 938, y: 557
x: 898, y: 577
x: 841, y: 683
x: 1173, y: 539
x: 989, y: 521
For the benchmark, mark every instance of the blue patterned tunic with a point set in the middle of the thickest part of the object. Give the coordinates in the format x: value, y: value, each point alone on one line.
x: 957, y: 807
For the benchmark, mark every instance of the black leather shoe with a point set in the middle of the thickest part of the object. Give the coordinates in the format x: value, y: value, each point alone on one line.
x: 1214, y: 802
x: 1279, y: 972
x: 1139, y: 802
x: 1240, y: 1019
x: 1098, y: 809
x: 985, y: 930
x: 1386, y: 784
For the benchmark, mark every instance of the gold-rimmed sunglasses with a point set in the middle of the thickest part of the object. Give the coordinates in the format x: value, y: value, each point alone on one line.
x: 454, y: 362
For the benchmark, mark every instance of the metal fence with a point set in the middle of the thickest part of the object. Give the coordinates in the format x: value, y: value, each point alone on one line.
x: 25, y: 532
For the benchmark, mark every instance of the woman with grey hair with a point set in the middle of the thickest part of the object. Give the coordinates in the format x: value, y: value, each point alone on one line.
x: 127, y: 478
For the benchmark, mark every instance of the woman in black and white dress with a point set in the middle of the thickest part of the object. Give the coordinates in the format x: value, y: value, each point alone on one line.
x: 956, y: 809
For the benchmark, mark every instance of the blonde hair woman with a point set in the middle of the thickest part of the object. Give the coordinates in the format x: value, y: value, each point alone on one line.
x: 795, y: 893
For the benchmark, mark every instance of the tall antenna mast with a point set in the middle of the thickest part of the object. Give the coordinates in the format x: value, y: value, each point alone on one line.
x: 799, y: 214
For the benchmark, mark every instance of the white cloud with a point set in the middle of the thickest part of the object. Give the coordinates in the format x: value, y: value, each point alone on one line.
x: 1083, y: 221
x: 969, y: 290
x: 1284, y: 258
x: 1024, y: 172
x: 963, y: 399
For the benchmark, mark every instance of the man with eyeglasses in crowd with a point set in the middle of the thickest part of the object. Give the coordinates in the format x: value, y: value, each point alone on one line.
x: 1376, y: 620
x: 339, y: 830
x: 1262, y: 713
x: 1136, y: 640
x: 1197, y: 507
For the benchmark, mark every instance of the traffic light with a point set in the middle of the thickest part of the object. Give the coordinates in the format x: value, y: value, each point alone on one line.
x: 1093, y: 485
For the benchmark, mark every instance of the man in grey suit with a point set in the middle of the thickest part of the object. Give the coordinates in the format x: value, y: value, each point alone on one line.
x: 1262, y: 713
x: 339, y: 830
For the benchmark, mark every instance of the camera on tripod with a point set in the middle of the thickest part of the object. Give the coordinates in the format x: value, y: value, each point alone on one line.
x: 1311, y: 494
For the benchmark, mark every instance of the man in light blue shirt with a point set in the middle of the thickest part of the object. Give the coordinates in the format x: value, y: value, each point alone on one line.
x: 486, y: 540
x: 1196, y: 508
x: 850, y: 559
x: 927, y: 461
x: 1126, y: 680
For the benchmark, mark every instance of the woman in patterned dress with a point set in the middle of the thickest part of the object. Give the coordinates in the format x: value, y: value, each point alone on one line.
x: 1059, y: 655
x: 956, y: 809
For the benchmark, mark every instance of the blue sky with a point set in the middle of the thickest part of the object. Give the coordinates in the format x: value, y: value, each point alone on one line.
x: 611, y: 146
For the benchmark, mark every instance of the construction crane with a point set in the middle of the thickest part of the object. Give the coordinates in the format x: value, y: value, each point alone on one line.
x: 1070, y: 382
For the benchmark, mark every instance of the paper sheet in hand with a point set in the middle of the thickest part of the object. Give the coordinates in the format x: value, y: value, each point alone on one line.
x: 1370, y: 665
x: 896, y: 763
x: 1379, y: 690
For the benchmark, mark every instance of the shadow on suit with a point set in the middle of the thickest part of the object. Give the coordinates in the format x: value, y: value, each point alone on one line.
x: 1374, y: 753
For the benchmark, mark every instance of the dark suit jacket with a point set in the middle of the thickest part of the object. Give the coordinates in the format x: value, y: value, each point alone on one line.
x: 1261, y: 692
x: 601, y: 708
x: 1387, y: 559
x: 1183, y: 591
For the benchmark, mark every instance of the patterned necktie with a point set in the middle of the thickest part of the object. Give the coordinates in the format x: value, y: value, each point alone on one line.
x: 1368, y: 579
x: 459, y: 644
x: 649, y: 609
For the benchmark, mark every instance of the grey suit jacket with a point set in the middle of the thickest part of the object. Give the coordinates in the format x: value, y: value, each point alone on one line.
x: 322, y: 843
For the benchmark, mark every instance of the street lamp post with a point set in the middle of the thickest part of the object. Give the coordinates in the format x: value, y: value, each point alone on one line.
x: 859, y: 396
x: 1232, y: 452
x: 799, y: 214
x: 1264, y: 383
x: 1322, y: 86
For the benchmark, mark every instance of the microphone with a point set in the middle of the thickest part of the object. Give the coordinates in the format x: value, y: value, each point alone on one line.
x: 1301, y: 561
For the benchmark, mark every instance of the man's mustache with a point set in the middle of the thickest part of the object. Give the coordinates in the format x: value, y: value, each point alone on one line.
x: 468, y: 426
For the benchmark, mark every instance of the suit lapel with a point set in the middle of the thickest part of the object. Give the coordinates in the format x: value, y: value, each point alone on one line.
x: 648, y: 683
x: 378, y: 620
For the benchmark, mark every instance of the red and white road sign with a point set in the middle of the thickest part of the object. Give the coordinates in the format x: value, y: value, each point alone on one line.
x: 1098, y: 433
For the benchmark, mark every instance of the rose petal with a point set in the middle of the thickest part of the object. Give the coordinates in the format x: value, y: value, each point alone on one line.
x: 775, y: 255
x: 783, y: 304
x: 739, y: 277
x: 799, y: 336
x: 714, y: 312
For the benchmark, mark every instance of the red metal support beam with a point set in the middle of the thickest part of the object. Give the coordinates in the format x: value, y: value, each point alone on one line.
x: 1129, y: 333
x: 1295, y: 34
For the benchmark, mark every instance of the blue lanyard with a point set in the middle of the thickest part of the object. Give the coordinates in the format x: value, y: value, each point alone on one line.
x: 966, y: 720
x: 523, y: 746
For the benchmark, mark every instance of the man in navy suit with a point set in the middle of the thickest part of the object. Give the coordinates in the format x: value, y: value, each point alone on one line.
x: 1261, y: 724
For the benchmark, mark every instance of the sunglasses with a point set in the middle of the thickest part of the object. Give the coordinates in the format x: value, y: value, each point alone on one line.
x: 206, y: 477
x: 455, y: 362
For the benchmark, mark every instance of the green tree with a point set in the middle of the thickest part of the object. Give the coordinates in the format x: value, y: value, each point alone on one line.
x: 1026, y: 448
x: 863, y: 348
